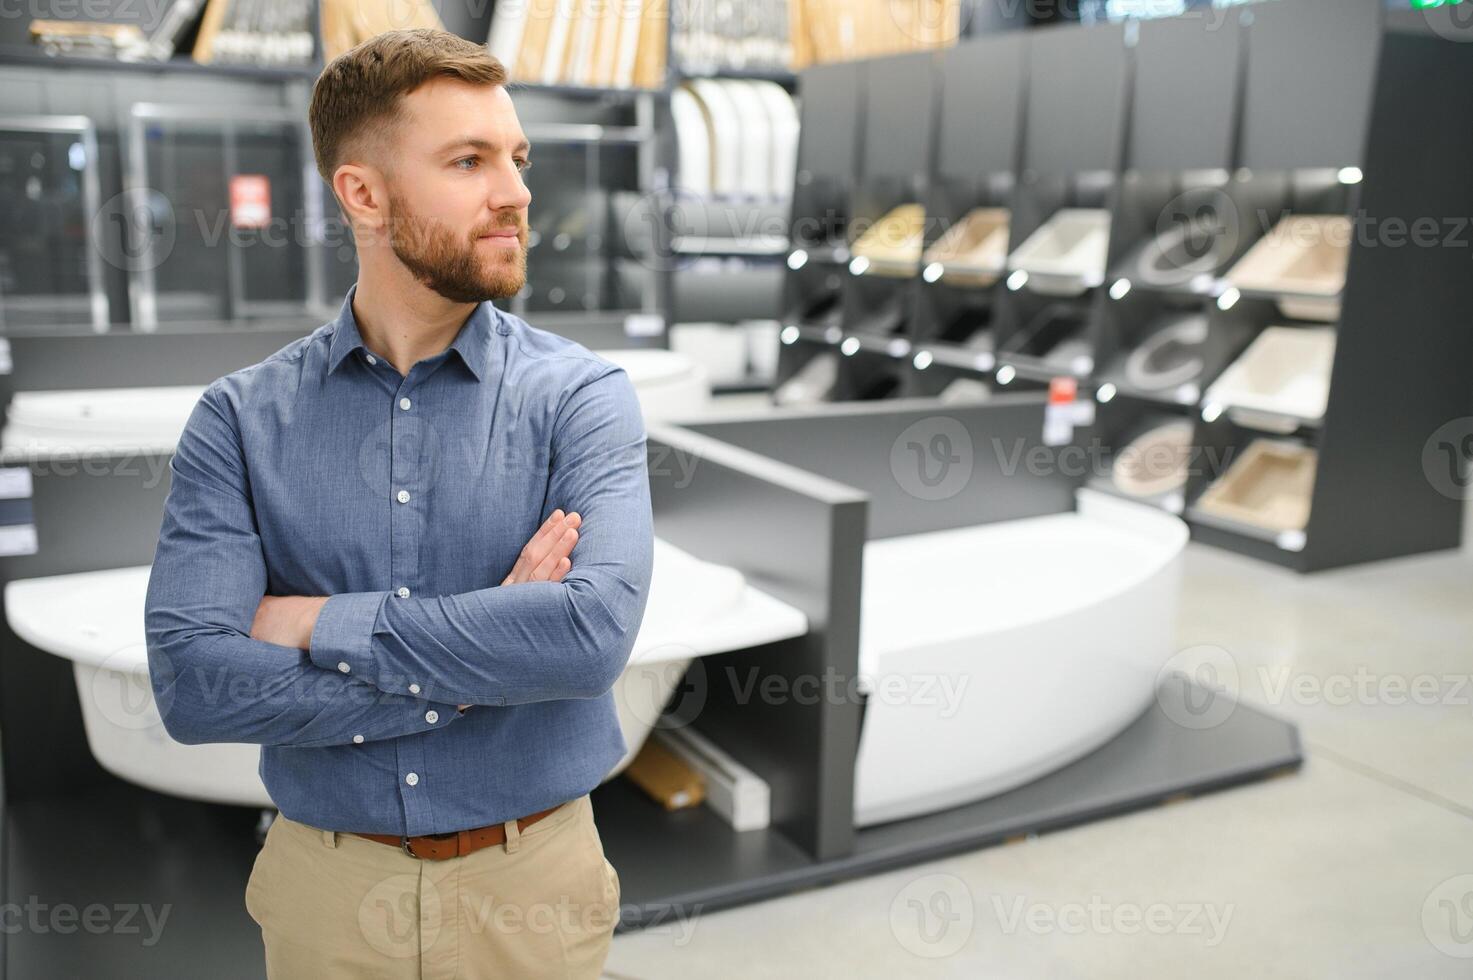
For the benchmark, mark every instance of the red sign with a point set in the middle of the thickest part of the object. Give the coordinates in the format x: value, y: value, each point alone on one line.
x: 250, y: 200
x: 1062, y: 391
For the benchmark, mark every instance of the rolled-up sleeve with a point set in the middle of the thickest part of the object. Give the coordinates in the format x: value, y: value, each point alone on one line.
x: 530, y: 641
x: 211, y: 680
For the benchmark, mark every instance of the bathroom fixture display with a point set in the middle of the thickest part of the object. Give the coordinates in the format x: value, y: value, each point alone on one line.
x: 1154, y: 462
x: 726, y: 147
x: 1170, y: 356
x: 795, y: 748
x: 892, y: 245
x: 1302, y: 262
x: 974, y: 251
x: 1051, y: 637
x: 886, y: 318
x: 719, y: 348
x: 40, y: 423
x: 782, y: 120
x: 735, y: 137
x: 1055, y: 340
x: 669, y: 384
x: 1190, y: 248
x: 813, y: 382
x: 51, y: 263
x: 692, y: 141
x: 1067, y: 255
x: 95, y: 619
x: 1281, y: 380
x: 1269, y: 486
x: 753, y: 137
x: 193, y: 174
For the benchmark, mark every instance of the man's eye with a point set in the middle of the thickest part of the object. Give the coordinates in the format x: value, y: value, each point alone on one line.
x: 465, y: 159
x: 523, y: 164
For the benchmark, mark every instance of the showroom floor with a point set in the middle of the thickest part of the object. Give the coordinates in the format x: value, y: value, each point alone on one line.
x: 1368, y: 850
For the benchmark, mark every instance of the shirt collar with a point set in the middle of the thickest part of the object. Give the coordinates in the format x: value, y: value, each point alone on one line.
x: 472, y: 342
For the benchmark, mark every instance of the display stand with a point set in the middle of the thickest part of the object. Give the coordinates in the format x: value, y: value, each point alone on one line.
x: 1299, y: 119
x: 805, y: 550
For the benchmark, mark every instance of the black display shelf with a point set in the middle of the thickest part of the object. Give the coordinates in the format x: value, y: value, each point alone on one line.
x: 1295, y: 109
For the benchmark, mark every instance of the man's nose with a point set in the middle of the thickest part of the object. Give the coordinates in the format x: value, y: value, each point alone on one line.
x: 510, y: 194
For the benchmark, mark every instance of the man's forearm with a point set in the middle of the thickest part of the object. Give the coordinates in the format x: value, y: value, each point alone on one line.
x: 225, y: 687
x: 504, y: 645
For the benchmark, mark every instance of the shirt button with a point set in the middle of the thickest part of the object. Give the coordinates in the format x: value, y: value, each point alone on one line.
x: 404, y: 404
x: 413, y: 688
x: 372, y: 359
x: 403, y: 592
x: 357, y: 739
x: 402, y: 496
x: 412, y: 779
x: 343, y: 666
x: 432, y: 716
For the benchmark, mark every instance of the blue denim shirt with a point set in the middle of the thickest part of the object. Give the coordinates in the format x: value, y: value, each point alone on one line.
x: 323, y: 471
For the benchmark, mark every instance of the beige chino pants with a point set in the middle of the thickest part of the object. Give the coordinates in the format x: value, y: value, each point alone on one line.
x: 331, y: 905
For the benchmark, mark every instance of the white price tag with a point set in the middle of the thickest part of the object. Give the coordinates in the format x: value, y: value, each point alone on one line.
x: 18, y: 539
x: 15, y: 482
x: 1063, y: 412
x: 644, y: 325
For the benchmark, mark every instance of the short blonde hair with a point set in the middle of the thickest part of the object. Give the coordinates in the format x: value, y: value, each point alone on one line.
x: 358, y: 98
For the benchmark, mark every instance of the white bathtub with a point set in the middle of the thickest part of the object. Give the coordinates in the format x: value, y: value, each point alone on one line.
x: 993, y: 655
x: 95, y: 619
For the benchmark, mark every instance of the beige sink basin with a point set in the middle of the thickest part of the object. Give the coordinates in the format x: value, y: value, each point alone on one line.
x: 1155, y: 462
x: 1268, y: 486
x: 1305, y: 255
x: 1067, y: 255
x: 892, y: 245
x: 974, y: 251
x: 1284, y: 374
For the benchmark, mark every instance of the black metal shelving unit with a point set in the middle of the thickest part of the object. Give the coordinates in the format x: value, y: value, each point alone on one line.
x: 1305, y: 108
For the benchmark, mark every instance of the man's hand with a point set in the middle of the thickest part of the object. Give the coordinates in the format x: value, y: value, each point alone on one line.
x: 287, y: 620
x: 545, y: 557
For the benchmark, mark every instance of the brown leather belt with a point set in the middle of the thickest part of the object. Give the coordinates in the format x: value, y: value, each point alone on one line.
x: 439, y: 847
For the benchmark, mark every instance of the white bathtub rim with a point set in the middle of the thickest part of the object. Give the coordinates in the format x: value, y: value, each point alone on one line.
x: 958, y: 795
x: 1172, y: 534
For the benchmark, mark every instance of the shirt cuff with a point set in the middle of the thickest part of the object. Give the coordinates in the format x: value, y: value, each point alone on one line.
x: 342, y: 637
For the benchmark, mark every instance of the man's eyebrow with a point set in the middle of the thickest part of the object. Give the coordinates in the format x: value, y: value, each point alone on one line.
x: 480, y: 144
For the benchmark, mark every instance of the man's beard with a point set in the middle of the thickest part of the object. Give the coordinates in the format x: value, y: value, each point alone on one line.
x: 458, y: 269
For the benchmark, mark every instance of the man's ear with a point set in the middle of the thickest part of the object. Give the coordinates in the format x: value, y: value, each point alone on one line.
x: 361, y: 194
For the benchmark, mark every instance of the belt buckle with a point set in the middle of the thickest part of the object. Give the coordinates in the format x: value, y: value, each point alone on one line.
x: 404, y: 846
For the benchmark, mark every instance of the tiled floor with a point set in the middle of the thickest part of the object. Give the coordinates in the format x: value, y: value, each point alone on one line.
x: 1360, y: 865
